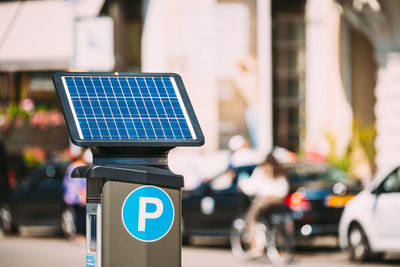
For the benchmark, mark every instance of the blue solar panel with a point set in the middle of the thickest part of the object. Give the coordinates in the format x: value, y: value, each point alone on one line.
x: 128, y: 108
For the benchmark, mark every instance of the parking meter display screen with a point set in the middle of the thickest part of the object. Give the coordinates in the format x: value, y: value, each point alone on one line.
x: 128, y: 108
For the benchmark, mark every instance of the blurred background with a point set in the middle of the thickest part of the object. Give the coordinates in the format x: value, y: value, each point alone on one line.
x: 317, y: 79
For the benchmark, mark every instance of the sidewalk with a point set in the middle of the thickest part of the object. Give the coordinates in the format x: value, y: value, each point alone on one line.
x: 40, y: 252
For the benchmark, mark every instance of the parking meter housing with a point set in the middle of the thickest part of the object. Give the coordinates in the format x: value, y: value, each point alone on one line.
x: 108, y: 186
x: 133, y: 207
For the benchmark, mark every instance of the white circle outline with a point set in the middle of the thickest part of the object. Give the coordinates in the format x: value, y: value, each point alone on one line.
x: 173, y: 213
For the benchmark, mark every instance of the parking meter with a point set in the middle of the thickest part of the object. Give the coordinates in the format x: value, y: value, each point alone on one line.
x: 130, y: 121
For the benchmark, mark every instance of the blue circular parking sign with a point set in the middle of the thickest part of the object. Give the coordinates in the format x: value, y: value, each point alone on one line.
x: 148, y: 213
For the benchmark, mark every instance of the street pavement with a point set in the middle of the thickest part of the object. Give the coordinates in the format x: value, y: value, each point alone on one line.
x: 33, y: 251
x: 322, y: 257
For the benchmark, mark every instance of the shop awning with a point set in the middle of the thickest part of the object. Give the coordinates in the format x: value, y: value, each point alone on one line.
x: 36, y: 35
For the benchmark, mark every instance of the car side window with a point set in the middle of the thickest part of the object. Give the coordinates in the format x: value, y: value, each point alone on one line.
x: 224, y: 181
x: 243, y: 175
x: 392, y: 183
x: 50, y: 178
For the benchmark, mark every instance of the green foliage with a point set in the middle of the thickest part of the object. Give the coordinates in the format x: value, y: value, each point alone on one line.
x: 367, y: 135
x: 341, y: 162
x: 362, y: 139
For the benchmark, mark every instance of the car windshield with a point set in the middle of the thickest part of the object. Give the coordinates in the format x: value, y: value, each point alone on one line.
x: 48, y: 170
x: 226, y: 179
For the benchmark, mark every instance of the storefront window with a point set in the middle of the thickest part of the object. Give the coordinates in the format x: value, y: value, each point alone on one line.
x: 288, y: 73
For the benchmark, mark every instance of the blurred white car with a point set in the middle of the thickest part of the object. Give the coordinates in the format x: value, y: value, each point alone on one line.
x: 370, y: 223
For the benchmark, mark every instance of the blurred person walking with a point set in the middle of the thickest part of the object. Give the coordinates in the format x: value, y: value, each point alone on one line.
x: 75, y: 193
x: 268, y: 186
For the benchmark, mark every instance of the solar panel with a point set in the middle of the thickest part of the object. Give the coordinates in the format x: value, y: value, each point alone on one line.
x: 129, y: 109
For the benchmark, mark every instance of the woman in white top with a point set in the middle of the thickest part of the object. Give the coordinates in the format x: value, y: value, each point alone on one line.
x: 268, y: 185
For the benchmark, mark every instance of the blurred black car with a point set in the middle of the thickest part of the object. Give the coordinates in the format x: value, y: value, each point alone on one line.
x: 317, y: 197
x: 38, y: 201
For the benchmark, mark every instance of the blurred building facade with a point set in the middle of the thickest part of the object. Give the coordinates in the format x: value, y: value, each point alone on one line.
x: 269, y: 70
x: 308, y: 75
x: 378, y: 23
x: 38, y: 38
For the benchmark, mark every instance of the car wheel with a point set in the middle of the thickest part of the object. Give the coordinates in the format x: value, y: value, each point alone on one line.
x: 280, y: 245
x: 68, y: 227
x: 360, y: 250
x: 7, y: 223
x: 240, y: 239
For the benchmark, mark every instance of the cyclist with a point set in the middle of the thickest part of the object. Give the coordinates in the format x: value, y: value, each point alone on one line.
x: 268, y: 185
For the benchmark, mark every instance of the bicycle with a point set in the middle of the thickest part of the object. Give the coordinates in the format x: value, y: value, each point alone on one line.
x: 274, y: 233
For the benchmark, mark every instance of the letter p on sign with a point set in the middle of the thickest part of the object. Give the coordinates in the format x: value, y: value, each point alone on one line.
x: 148, y: 213
x: 143, y: 214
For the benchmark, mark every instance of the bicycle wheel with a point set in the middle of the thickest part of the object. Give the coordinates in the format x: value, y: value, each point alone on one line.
x: 240, y: 239
x: 280, y: 239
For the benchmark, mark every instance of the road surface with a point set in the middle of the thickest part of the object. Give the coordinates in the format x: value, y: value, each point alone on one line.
x: 18, y: 251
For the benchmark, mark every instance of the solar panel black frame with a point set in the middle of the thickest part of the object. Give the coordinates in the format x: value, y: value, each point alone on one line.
x: 73, y: 130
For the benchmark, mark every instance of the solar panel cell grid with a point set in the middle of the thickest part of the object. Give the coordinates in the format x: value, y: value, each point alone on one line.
x: 131, y: 108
